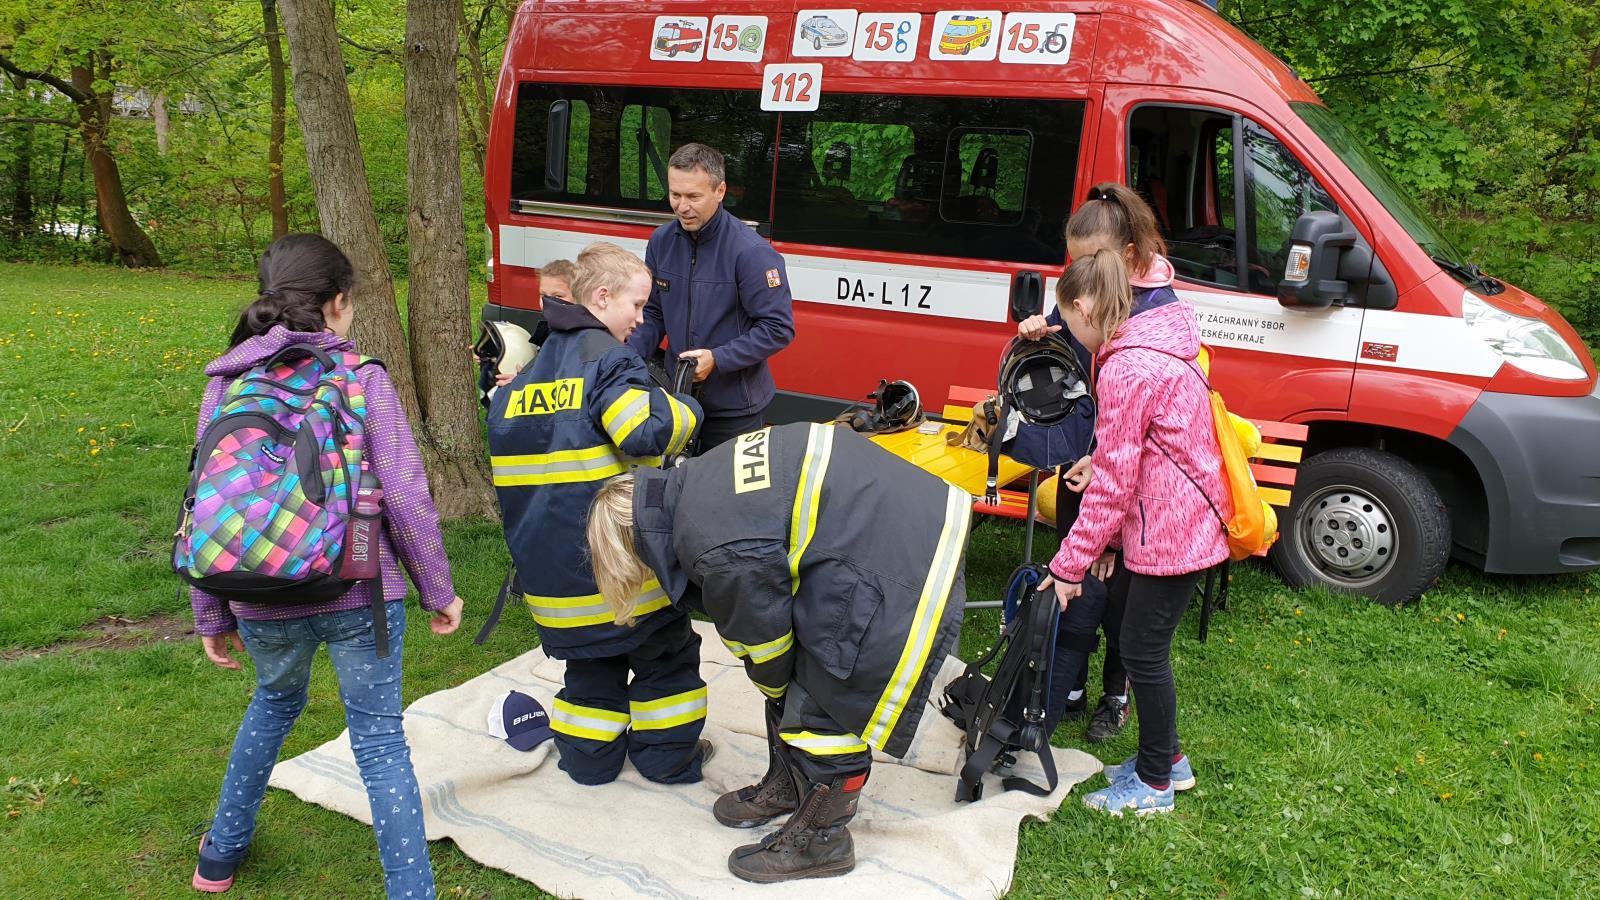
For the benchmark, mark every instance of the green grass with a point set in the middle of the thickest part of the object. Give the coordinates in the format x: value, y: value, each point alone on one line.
x: 1448, y: 749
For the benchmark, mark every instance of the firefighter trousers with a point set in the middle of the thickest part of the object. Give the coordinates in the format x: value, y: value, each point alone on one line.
x: 602, y: 718
x: 815, y: 744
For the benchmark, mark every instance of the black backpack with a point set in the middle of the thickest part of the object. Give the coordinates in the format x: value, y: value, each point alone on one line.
x: 1005, y: 714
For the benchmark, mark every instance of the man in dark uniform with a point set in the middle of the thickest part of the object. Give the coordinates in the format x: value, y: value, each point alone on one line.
x: 834, y: 570
x: 720, y: 297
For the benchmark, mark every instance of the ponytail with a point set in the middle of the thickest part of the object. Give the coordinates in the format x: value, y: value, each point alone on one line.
x: 1103, y: 278
x: 296, y: 275
x: 1116, y: 214
x: 619, y: 573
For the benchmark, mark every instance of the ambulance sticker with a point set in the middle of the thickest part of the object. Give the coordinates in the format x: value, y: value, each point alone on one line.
x: 823, y: 32
x: 772, y: 279
x: 969, y: 35
x: 1041, y: 39
x: 679, y: 38
x: 887, y: 37
x: 737, y: 38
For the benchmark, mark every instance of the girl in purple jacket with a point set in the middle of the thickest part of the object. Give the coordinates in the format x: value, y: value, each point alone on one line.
x: 1156, y: 493
x: 305, y: 299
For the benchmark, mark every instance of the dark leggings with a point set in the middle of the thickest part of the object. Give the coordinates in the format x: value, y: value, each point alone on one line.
x: 1155, y: 603
x: 1076, y: 638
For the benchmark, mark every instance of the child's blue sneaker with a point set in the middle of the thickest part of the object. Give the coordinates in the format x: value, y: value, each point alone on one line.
x: 1128, y: 792
x: 1182, y: 772
x: 214, y: 872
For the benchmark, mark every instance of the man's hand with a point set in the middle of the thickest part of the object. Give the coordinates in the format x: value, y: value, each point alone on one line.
x: 1035, y: 327
x: 220, y: 647
x: 1066, y: 591
x: 705, y: 362
x: 447, y: 620
x: 1079, y: 476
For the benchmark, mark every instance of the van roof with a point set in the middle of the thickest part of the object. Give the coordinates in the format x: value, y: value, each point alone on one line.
x: 1182, y: 43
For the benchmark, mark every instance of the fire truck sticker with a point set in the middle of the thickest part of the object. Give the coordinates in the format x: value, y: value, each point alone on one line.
x: 1041, y: 39
x: 737, y: 38
x: 823, y: 32
x: 970, y: 35
x: 679, y: 38
x: 887, y: 37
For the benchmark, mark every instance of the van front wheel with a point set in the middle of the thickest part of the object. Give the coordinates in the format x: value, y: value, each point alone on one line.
x: 1365, y: 522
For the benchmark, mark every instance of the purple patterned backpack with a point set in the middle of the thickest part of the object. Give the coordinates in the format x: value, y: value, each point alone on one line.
x: 271, y: 513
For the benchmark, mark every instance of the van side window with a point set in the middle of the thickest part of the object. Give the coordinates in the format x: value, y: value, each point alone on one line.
x: 965, y: 177
x: 1187, y: 161
x: 620, y: 138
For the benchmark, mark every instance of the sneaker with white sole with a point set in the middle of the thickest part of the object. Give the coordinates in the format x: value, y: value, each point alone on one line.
x: 1128, y: 792
x: 1182, y: 772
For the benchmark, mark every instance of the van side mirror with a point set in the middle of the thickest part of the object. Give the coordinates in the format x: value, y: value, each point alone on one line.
x: 1317, y: 245
x: 1027, y: 295
x: 555, y: 147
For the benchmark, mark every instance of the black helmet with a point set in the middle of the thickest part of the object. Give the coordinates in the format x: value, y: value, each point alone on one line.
x: 1042, y: 380
x: 896, y: 407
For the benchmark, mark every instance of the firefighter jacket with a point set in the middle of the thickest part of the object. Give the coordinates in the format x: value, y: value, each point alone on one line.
x: 585, y: 410
x: 825, y: 561
x: 721, y: 288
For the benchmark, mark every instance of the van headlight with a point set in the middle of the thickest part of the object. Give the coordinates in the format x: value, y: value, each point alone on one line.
x: 1527, y: 343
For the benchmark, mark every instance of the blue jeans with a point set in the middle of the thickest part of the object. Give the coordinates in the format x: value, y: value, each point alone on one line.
x: 370, y: 688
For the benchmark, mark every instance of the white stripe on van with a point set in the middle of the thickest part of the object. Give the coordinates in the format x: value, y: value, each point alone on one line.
x: 1237, y: 321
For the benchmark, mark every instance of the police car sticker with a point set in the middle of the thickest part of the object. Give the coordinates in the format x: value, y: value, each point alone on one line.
x: 679, y: 38
x: 1041, y: 39
x: 823, y: 32
x: 887, y: 37
x: 737, y: 38
x: 968, y: 35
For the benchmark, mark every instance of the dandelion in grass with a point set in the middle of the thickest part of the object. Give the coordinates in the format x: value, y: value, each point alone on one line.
x: 1538, y: 757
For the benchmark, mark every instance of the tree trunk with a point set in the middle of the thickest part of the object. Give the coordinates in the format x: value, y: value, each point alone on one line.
x: 158, y: 114
x: 277, y: 202
x: 128, y: 241
x: 339, y: 178
x: 439, y: 307
x: 475, y: 103
x: 22, y: 207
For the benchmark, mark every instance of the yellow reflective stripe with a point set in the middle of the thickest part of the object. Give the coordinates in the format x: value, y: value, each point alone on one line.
x: 925, y: 623
x: 589, y: 722
x: 808, y: 497
x: 823, y: 744
x: 669, y: 712
x: 559, y: 467
x: 684, y: 423
x: 591, y: 609
x: 761, y: 653
x: 626, y: 413
x: 773, y: 692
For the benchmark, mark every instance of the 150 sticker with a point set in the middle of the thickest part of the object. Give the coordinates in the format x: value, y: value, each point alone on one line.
x: 737, y: 38
x: 1043, y: 39
x: 887, y: 37
x: 904, y: 295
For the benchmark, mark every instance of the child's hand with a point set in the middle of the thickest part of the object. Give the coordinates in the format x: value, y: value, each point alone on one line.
x: 220, y: 648
x: 1079, y: 476
x: 1035, y: 327
x: 1102, y: 567
x: 1066, y: 591
x: 501, y: 381
x: 447, y: 620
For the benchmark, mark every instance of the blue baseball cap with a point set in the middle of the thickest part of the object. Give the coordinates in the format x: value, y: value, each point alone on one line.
x: 519, y: 720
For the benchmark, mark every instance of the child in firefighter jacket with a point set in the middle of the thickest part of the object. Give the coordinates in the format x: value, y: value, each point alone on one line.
x: 586, y: 410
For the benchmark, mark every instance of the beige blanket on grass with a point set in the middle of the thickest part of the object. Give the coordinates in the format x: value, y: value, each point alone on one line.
x: 517, y: 812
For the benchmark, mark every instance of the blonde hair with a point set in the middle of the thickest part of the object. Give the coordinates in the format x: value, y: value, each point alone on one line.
x: 1103, y: 278
x: 1115, y: 213
x: 564, y: 269
x: 618, y: 571
x: 604, y: 265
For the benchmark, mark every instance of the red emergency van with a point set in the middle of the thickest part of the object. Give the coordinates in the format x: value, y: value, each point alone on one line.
x: 918, y: 198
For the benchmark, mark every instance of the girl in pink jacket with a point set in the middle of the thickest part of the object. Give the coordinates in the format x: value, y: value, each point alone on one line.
x: 1156, y: 493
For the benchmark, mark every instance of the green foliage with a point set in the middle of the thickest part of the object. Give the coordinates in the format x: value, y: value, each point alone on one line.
x: 21, y: 794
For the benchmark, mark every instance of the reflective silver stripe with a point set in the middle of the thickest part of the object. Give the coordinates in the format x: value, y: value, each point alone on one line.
x: 669, y: 712
x: 823, y: 744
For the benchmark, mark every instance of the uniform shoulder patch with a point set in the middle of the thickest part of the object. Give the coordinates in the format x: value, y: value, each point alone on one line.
x: 774, y: 279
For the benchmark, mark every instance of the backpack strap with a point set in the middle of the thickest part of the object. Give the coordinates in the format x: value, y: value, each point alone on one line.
x: 290, y: 351
x: 499, y: 606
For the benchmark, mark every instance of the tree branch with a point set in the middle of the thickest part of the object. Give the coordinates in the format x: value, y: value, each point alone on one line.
x: 1447, y: 64
x: 32, y: 120
x: 378, y: 51
x: 59, y: 84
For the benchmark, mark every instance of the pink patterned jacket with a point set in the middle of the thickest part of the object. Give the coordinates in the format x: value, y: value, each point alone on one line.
x: 1153, y: 435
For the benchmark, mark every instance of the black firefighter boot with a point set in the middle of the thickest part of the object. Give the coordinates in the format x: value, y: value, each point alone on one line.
x: 757, y: 804
x: 814, y: 843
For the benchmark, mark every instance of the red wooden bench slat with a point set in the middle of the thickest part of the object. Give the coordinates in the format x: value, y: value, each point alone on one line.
x: 1284, y: 431
x: 1280, y: 476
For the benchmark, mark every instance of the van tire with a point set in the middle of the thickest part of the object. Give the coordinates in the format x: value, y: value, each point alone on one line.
x: 1372, y: 510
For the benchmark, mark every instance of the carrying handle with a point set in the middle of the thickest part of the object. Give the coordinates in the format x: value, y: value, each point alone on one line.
x: 294, y: 350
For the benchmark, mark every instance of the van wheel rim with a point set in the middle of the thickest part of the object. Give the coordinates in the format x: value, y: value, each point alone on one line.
x: 1348, y: 535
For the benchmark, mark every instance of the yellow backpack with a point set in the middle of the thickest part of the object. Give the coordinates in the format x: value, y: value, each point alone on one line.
x: 1254, y: 525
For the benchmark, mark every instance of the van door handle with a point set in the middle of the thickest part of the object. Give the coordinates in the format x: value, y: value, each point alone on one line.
x: 1027, y: 295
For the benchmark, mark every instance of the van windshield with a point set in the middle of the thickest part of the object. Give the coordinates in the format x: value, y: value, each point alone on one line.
x: 1378, y: 180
